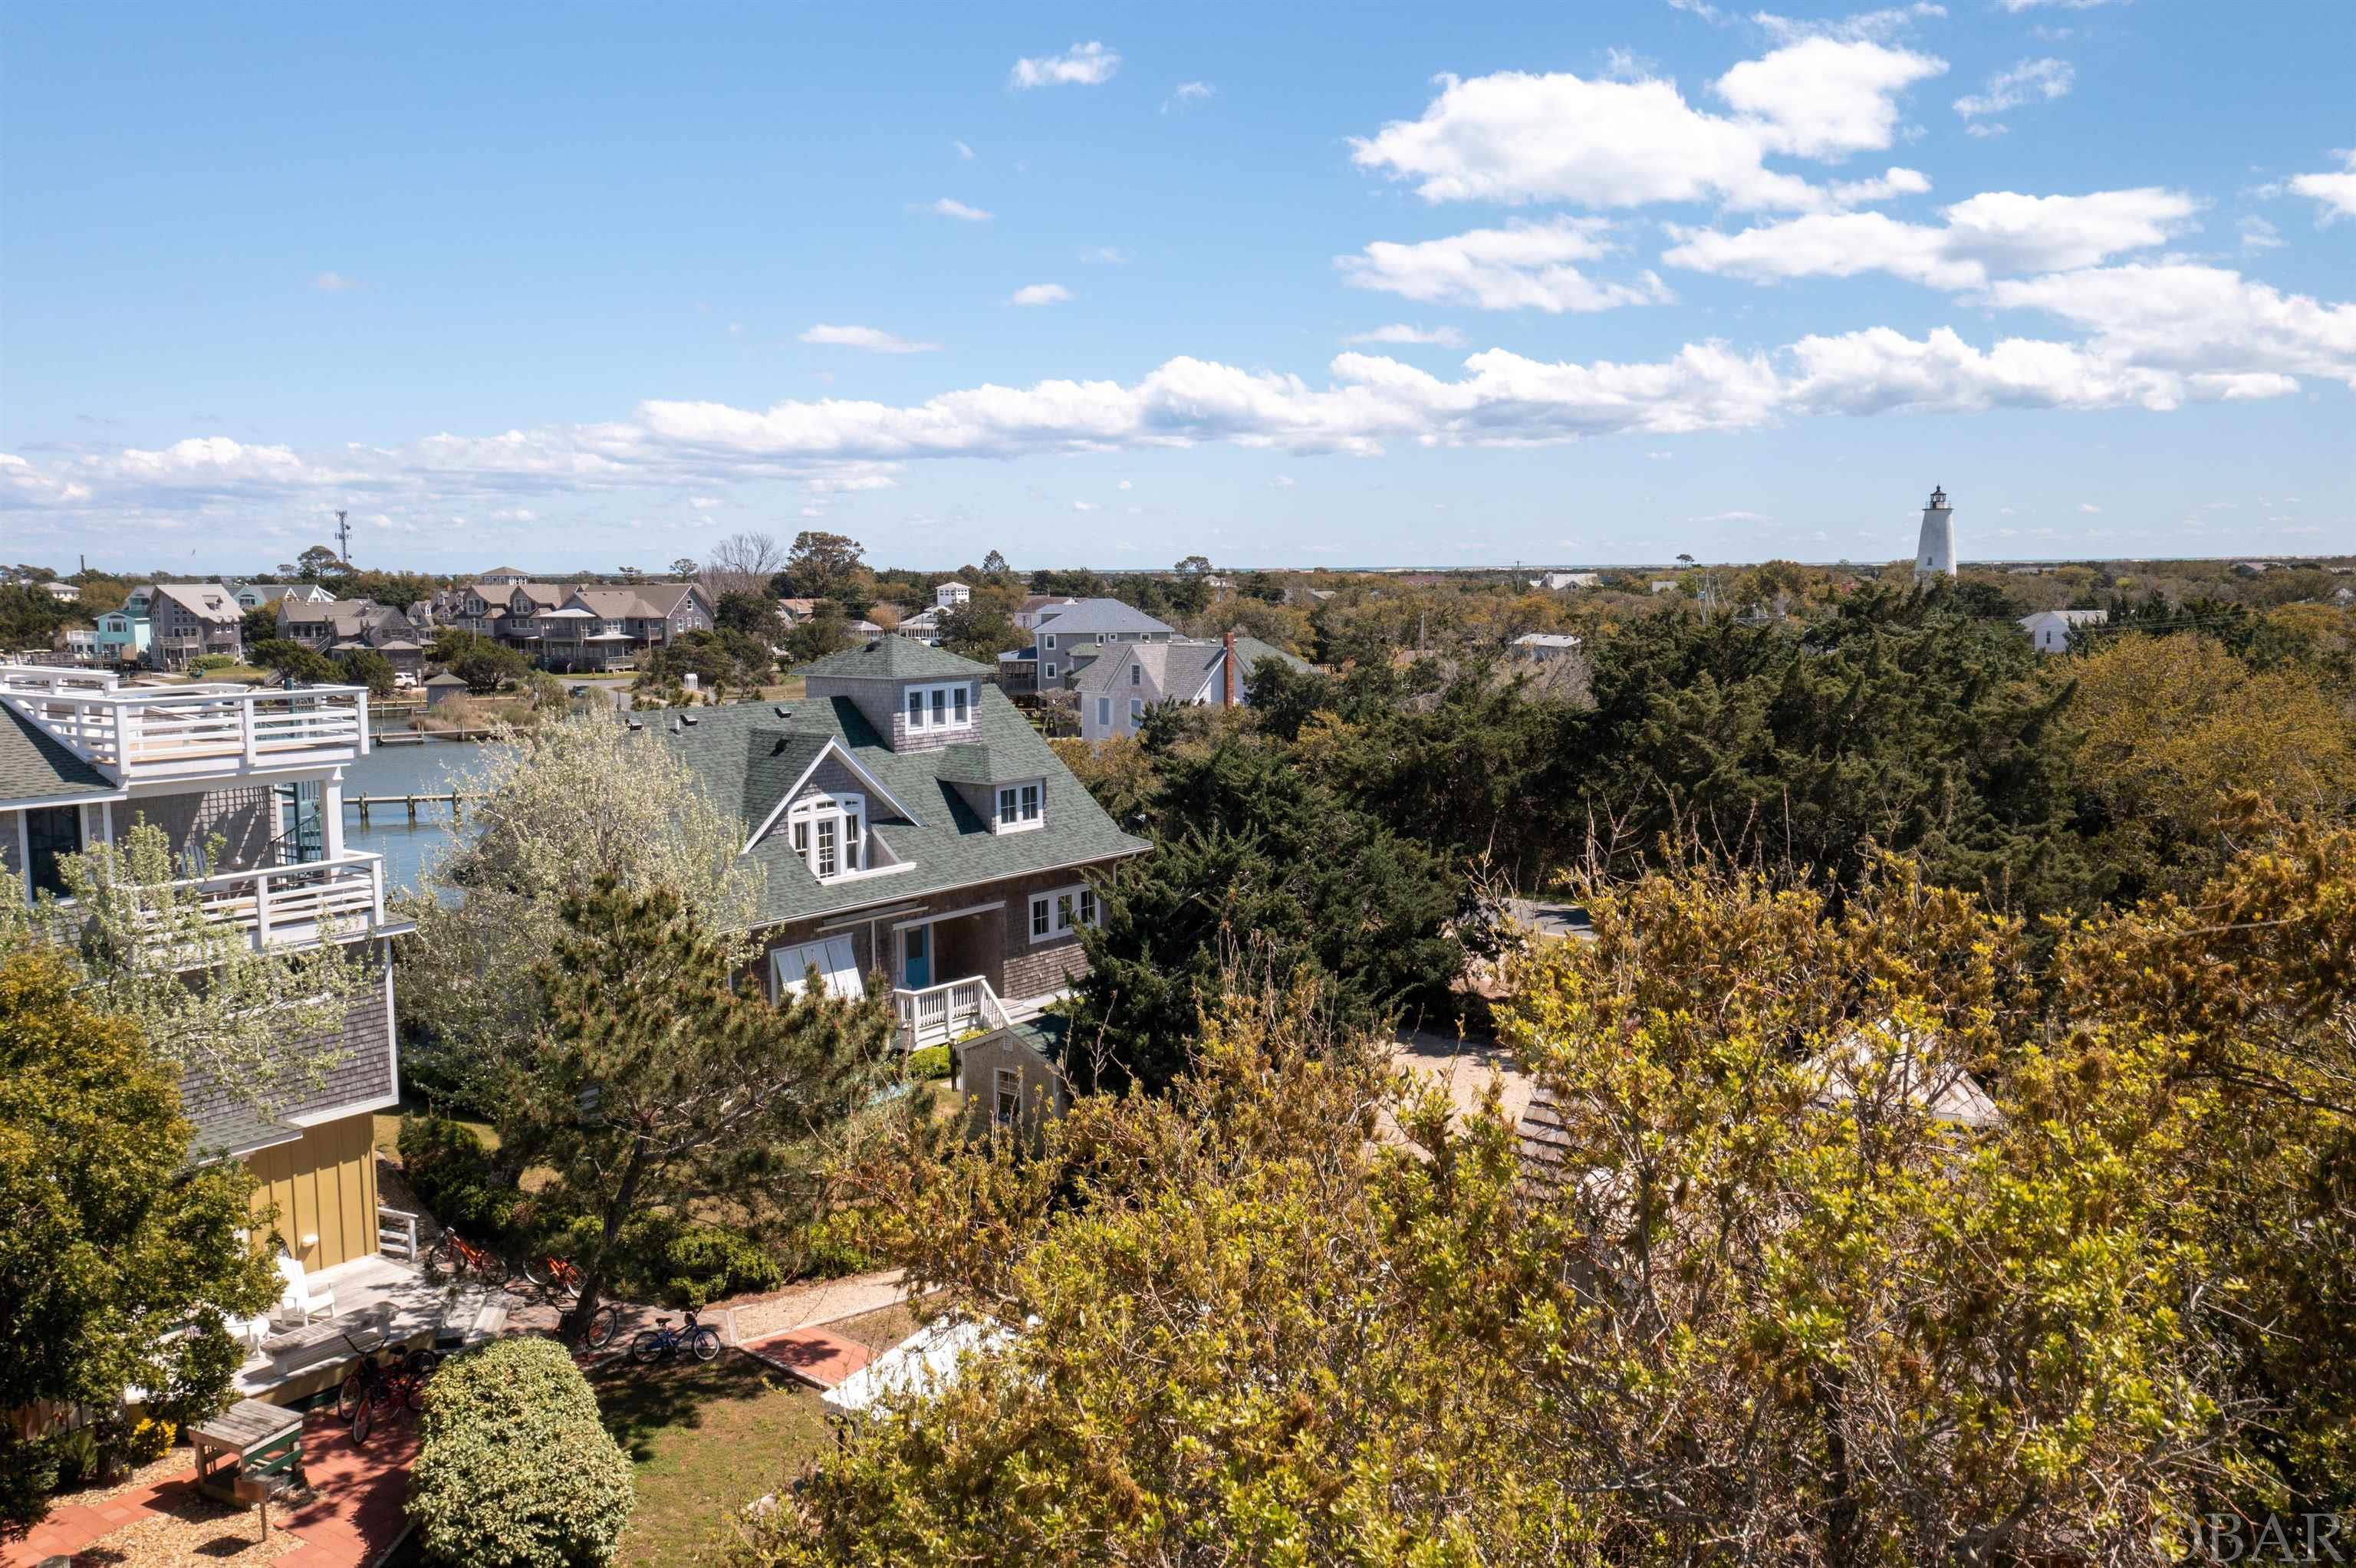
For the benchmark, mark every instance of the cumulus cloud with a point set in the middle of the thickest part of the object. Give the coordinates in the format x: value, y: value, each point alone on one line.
x: 1187, y: 94
x: 1402, y: 333
x: 1524, y: 266
x: 1084, y: 506
x: 1517, y: 137
x: 1082, y: 64
x: 873, y: 338
x: 2030, y: 81
x: 2335, y: 193
x: 1040, y: 293
x: 1871, y: 25
x: 1992, y: 234
x: 949, y: 207
x: 2158, y: 337
x: 2258, y: 234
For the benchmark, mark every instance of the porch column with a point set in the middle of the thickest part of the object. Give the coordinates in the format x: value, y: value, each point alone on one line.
x: 331, y: 810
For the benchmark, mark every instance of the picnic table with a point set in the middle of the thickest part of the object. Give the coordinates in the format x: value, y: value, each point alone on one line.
x: 249, y: 1438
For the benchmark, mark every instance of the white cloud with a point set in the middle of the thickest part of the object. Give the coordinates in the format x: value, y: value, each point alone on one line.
x: 1124, y: 484
x: 874, y: 340
x: 1188, y: 94
x: 706, y: 503
x: 2018, y: 7
x: 2336, y: 193
x: 1515, y: 137
x: 949, y: 207
x: 963, y: 151
x: 1040, y: 293
x: 2088, y: 506
x: 1987, y: 128
x: 2258, y: 234
x: 1870, y: 24
x: 1400, y: 331
x: 334, y: 284
x: 2030, y: 81
x: 1281, y: 481
x: 1891, y: 182
x: 1735, y: 516
x: 1992, y: 234
x: 1523, y: 266
x: 1082, y: 64
x: 1085, y: 507
x: 1108, y: 255
x: 2199, y: 321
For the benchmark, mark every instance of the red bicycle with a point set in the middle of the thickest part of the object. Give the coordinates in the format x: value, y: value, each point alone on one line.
x: 556, y: 1277
x: 456, y: 1256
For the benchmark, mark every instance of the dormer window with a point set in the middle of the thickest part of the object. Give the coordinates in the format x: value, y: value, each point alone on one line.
x: 828, y: 833
x: 946, y: 707
x: 1019, y: 805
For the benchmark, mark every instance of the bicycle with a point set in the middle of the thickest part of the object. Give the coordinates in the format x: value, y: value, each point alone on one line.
x: 456, y: 1256
x: 556, y: 1278
x: 651, y: 1345
x: 373, y: 1385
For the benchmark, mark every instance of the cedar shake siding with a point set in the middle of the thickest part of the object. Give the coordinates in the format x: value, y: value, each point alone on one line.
x: 243, y: 818
x: 351, y: 1068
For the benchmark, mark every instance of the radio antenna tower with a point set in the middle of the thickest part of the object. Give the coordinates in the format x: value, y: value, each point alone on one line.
x: 344, y: 538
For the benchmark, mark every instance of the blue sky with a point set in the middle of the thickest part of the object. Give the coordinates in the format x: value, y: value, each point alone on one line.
x: 588, y: 286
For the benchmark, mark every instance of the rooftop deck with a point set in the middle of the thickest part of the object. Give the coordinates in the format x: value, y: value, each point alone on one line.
x: 163, y: 733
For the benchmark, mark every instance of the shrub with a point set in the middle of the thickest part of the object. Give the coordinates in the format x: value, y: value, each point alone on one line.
x: 147, y: 1440
x: 931, y: 1061
x: 457, y: 1178
x: 834, y: 1246
x: 514, y: 1469
x: 205, y: 663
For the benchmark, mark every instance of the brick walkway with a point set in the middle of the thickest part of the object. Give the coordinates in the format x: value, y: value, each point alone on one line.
x: 813, y: 1355
x: 353, y: 1513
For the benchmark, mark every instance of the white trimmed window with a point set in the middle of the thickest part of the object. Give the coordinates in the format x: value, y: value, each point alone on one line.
x: 1104, y: 712
x: 1006, y: 1095
x: 1051, y: 672
x: 829, y: 834
x: 1135, y: 708
x: 1048, y: 639
x: 1136, y: 672
x: 945, y: 707
x: 1018, y: 806
x: 1057, y: 914
x: 789, y: 969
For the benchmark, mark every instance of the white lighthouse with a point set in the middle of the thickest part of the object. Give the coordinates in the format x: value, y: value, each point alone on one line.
x: 1935, y: 556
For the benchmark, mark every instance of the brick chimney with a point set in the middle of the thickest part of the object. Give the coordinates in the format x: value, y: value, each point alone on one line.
x: 1230, y: 694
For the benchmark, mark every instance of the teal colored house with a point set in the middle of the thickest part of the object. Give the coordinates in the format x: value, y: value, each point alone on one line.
x: 122, y: 637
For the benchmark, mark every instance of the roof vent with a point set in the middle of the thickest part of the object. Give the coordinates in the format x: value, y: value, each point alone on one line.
x: 874, y: 643
x: 782, y: 711
x: 689, y: 718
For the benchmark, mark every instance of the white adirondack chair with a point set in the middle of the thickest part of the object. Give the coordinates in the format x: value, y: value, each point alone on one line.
x: 302, y: 1301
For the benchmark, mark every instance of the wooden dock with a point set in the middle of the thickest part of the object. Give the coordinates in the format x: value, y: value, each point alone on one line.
x: 419, y: 736
x: 454, y: 799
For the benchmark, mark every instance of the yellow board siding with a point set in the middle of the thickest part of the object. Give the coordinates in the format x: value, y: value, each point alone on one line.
x: 324, y: 1185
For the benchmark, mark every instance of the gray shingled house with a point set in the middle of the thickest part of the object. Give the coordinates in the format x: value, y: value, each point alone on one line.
x: 1117, y: 689
x: 914, y: 827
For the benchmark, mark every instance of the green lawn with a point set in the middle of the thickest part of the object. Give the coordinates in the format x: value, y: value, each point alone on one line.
x: 705, y: 1440
x: 386, y: 1128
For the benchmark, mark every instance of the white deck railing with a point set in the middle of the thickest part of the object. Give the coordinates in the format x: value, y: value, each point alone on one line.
x: 285, y: 906
x: 138, y: 733
x: 941, y: 1013
x: 396, y: 1234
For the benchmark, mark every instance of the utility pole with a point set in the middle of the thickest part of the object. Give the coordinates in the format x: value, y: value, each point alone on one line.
x: 344, y: 538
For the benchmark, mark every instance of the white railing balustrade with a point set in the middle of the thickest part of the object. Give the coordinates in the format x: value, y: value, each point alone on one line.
x: 396, y: 1234
x: 281, y: 906
x: 155, y: 732
x: 940, y: 1013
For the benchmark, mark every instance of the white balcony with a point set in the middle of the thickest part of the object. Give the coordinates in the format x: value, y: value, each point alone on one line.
x: 145, y: 735
x: 284, y: 906
x: 939, y: 1014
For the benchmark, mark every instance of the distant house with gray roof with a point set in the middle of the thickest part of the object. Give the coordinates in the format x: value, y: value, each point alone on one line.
x: 1119, y: 689
x: 912, y: 828
x: 1064, y: 637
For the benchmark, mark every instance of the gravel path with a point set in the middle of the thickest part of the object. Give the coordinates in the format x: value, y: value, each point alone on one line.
x: 807, y: 1305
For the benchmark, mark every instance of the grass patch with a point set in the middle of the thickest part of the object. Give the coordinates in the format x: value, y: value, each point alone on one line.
x: 704, y: 1440
x: 386, y: 1128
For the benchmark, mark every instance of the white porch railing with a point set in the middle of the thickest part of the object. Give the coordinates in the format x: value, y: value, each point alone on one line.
x: 396, y: 1234
x: 941, y: 1013
x: 281, y: 906
x: 139, y: 733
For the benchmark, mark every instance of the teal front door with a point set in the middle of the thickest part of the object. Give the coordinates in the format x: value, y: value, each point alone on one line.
x: 917, y: 950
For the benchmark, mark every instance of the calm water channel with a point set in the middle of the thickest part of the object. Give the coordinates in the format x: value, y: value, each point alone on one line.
x: 404, y: 770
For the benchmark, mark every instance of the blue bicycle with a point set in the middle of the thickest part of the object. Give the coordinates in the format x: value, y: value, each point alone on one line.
x: 662, y: 1341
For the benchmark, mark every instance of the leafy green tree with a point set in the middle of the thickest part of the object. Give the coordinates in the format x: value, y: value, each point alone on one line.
x: 110, y: 1244
x: 994, y: 565
x: 365, y: 667
x: 294, y: 660
x: 31, y: 618
x: 554, y: 808
x: 258, y: 625
x: 814, y: 635
x: 660, y: 1090
x: 320, y: 564
x: 1259, y: 867
x: 822, y: 565
x: 485, y: 664
x: 753, y: 614
x: 980, y: 630
x: 720, y: 660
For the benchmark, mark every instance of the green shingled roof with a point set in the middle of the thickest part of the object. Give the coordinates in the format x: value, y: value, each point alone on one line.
x: 894, y: 658
x: 34, y: 765
x: 747, y: 757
